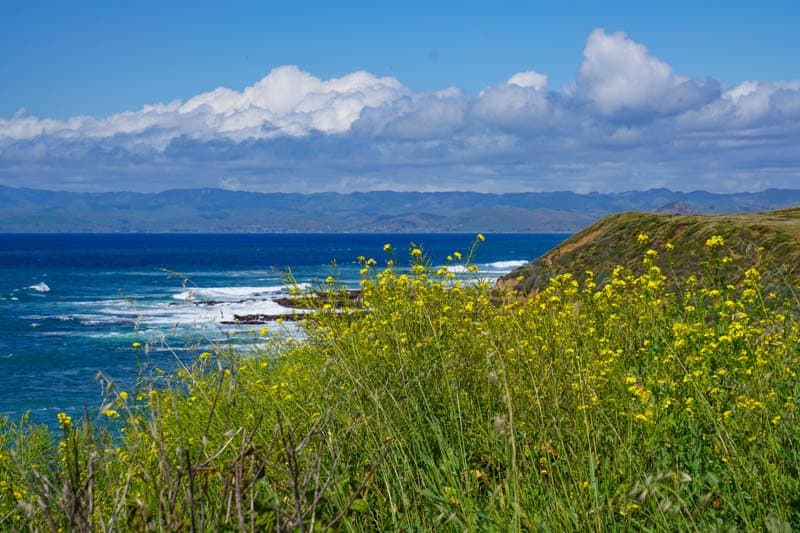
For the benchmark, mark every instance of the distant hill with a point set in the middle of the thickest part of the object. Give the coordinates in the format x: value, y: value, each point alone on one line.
x: 218, y: 210
x: 768, y: 241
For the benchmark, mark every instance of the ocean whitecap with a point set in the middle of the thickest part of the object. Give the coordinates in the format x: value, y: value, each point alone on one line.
x: 40, y: 287
x: 507, y: 265
x: 233, y: 293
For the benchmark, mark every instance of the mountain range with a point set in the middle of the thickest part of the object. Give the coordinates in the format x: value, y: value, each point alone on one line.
x: 224, y: 211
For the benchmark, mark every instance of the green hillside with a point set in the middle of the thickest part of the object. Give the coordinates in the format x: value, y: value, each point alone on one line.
x: 769, y: 242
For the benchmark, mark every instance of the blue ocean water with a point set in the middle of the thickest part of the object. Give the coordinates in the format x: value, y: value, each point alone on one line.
x: 72, y: 305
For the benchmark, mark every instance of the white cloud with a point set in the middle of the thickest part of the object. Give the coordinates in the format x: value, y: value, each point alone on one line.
x: 754, y: 101
x: 529, y: 78
x: 620, y: 75
x: 627, y: 121
x: 419, y: 116
x: 230, y: 184
x: 288, y: 101
x: 747, y: 108
x: 514, y: 107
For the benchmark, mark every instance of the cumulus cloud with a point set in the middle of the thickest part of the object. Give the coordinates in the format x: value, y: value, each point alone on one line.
x: 529, y: 78
x: 288, y: 101
x: 748, y: 109
x: 420, y: 116
x: 619, y: 75
x: 628, y: 120
x: 513, y: 107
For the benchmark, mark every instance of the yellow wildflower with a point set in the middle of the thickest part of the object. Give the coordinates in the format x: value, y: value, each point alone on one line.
x: 64, y: 421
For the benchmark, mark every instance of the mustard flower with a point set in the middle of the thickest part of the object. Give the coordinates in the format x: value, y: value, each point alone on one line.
x: 64, y: 421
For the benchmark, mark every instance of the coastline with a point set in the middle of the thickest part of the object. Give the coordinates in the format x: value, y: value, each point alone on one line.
x: 300, y: 306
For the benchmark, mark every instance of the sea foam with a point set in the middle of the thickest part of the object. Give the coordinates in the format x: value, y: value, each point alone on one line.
x: 40, y: 287
x: 507, y: 265
x: 493, y: 267
x: 232, y: 293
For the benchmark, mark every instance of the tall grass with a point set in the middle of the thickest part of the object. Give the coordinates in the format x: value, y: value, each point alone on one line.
x: 642, y: 403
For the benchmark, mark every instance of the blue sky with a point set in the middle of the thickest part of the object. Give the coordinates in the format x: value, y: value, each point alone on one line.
x: 613, y: 96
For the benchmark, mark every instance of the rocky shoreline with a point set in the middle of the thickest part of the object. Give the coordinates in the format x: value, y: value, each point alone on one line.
x: 299, y: 306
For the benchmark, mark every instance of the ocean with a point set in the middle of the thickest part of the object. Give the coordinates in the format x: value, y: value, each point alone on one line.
x: 72, y: 305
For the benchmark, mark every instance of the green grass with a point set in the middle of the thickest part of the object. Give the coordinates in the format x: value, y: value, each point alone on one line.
x: 608, y: 243
x: 643, y: 402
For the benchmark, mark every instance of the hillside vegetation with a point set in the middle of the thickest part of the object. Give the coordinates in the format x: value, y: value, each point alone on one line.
x: 769, y: 242
x: 647, y: 402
